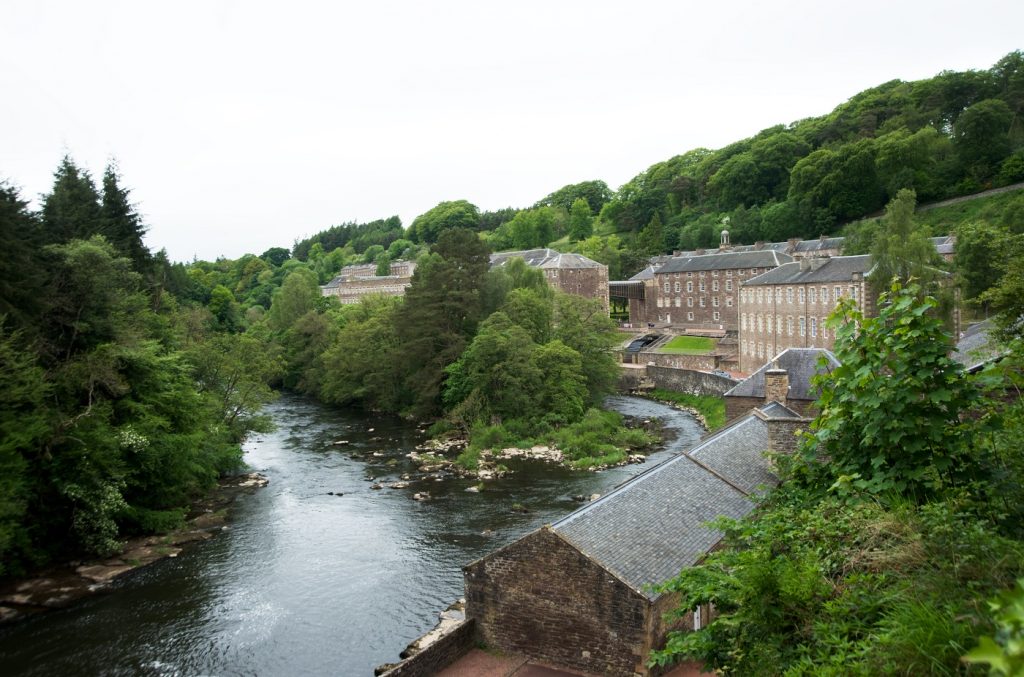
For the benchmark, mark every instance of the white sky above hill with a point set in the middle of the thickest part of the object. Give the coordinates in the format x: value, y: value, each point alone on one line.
x: 240, y: 126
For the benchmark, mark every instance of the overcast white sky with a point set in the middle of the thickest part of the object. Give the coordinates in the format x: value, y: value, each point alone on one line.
x: 240, y: 125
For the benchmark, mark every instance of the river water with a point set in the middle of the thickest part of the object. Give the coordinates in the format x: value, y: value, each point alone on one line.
x: 308, y: 583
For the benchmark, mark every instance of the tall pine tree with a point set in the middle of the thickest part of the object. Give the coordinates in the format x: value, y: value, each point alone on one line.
x: 120, y: 223
x: 72, y: 209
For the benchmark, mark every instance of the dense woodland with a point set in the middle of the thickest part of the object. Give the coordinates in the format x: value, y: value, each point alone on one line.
x: 129, y: 380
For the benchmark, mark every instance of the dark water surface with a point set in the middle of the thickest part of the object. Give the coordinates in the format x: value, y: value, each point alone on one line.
x: 303, y: 582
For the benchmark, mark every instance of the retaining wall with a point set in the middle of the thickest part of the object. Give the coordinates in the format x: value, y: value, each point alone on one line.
x: 439, y: 655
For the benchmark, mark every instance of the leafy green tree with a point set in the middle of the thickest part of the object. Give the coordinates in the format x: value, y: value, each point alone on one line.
x: 651, y: 240
x: 890, y: 416
x: 595, y: 193
x: 581, y: 220
x: 532, y: 310
x: 584, y: 326
x: 275, y: 256
x: 983, y: 253
x: 296, y: 297
x: 902, y: 249
x: 427, y: 227
x: 225, y: 309
x: 982, y: 137
x: 365, y: 362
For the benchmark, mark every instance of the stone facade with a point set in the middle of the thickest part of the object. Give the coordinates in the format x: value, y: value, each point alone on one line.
x: 570, y: 273
x: 787, y: 307
x: 576, y: 614
x: 353, y: 283
x: 701, y: 292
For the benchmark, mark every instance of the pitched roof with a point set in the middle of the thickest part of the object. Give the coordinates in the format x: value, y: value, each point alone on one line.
x: 545, y: 258
x: 655, y: 524
x: 834, y: 269
x: 645, y: 274
x: 977, y: 347
x: 820, y: 244
x: 800, y: 365
x: 725, y: 260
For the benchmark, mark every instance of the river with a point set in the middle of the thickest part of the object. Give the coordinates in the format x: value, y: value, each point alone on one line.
x: 307, y: 582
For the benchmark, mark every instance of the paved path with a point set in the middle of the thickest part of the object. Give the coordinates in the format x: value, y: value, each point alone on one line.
x: 479, y: 663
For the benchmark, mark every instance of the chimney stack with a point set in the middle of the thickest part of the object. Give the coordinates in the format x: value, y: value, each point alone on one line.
x: 776, y: 385
x: 805, y: 264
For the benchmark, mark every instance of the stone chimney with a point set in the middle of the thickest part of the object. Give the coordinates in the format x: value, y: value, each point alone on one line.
x: 805, y: 264
x: 776, y: 385
x: 698, y: 252
x: 759, y: 245
x: 818, y: 262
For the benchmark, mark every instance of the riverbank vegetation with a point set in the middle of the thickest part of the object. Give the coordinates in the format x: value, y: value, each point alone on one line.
x: 896, y: 522
x: 711, y: 408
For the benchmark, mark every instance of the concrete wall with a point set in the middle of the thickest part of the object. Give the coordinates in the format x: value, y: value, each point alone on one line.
x: 697, y: 362
x: 438, y: 655
x: 687, y: 381
x: 542, y: 598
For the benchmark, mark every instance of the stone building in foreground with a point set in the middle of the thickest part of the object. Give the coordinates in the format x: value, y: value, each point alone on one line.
x: 578, y: 593
x: 785, y: 379
x: 354, y: 282
x: 570, y: 273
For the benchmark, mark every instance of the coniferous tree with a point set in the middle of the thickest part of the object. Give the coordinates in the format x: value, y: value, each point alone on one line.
x: 121, y: 224
x: 21, y: 272
x: 72, y: 209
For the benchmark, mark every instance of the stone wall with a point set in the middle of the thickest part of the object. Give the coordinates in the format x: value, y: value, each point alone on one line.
x: 590, y: 283
x: 688, y: 381
x: 740, y: 406
x: 438, y: 655
x: 542, y: 598
x: 695, y: 362
x: 782, y: 434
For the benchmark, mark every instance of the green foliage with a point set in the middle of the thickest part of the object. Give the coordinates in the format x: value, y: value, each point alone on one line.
x: 890, y: 413
x: 902, y: 250
x: 296, y: 297
x: 595, y: 193
x: 355, y: 236
x: 711, y: 408
x: 1004, y: 654
x: 581, y: 220
x: 427, y: 227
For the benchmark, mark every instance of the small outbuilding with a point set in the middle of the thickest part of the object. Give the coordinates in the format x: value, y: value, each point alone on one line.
x: 580, y: 592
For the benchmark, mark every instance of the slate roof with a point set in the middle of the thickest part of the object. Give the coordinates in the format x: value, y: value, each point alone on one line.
x: 645, y: 274
x: 545, y: 258
x: 820, y: 244
x: 779, y: 410
x: 649, y: 529
x: 834, y: 269
x: 739, y: 456
x: 977, y: 347
x: 725, y: 260
x: 799, y: 363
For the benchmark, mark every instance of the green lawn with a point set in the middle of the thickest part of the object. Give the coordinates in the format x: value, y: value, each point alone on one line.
x: 689, y: 345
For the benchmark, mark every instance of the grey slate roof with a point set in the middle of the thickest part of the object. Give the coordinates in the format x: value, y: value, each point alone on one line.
x: 799, y: 363
x: 653, y: 526
x: 725, y: 260
x: 977, y: 347
x: 645, y: 274
x: 820, y: 244
x: 778, y: 410
x: 545, y: 258
x: 835, y: 269
x: 739, y: 456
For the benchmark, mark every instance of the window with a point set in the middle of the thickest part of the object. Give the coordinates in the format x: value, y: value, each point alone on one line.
x: 824, y: 330
x: 740, y: 272
x: 714, y: 285
x: 824, y: 294
x: 701, y: 304
x: 715, y: 316
x: 728, y: 285
x: 837, y: 293
x: 667, y: 287
x: 814, y: 294
x: 800, y: 295
x: 743, y: 321
x: 714, y: 301
x: 714, y: 273
x: 753, y: 271
x: 728, y: 302
x: 689, y: 302
x: 677, y: 287
x: 778, y: 295
x: 659, y: 301
x: 689, y: 286
x: 853, y: 292
x: 701, y: 286
x: 690, y: 274
x: 760, y: 350
x: 760, y: 324
x: 768, y: 322
x: 702, y: 273
x: 728, y: 273
x: 814, y: 327
x: 689, y: 316
x: 789, y: 325
x: 678, y: 300
x: 789, y: 294
x: 778, y: 325
x: 803, y: 326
